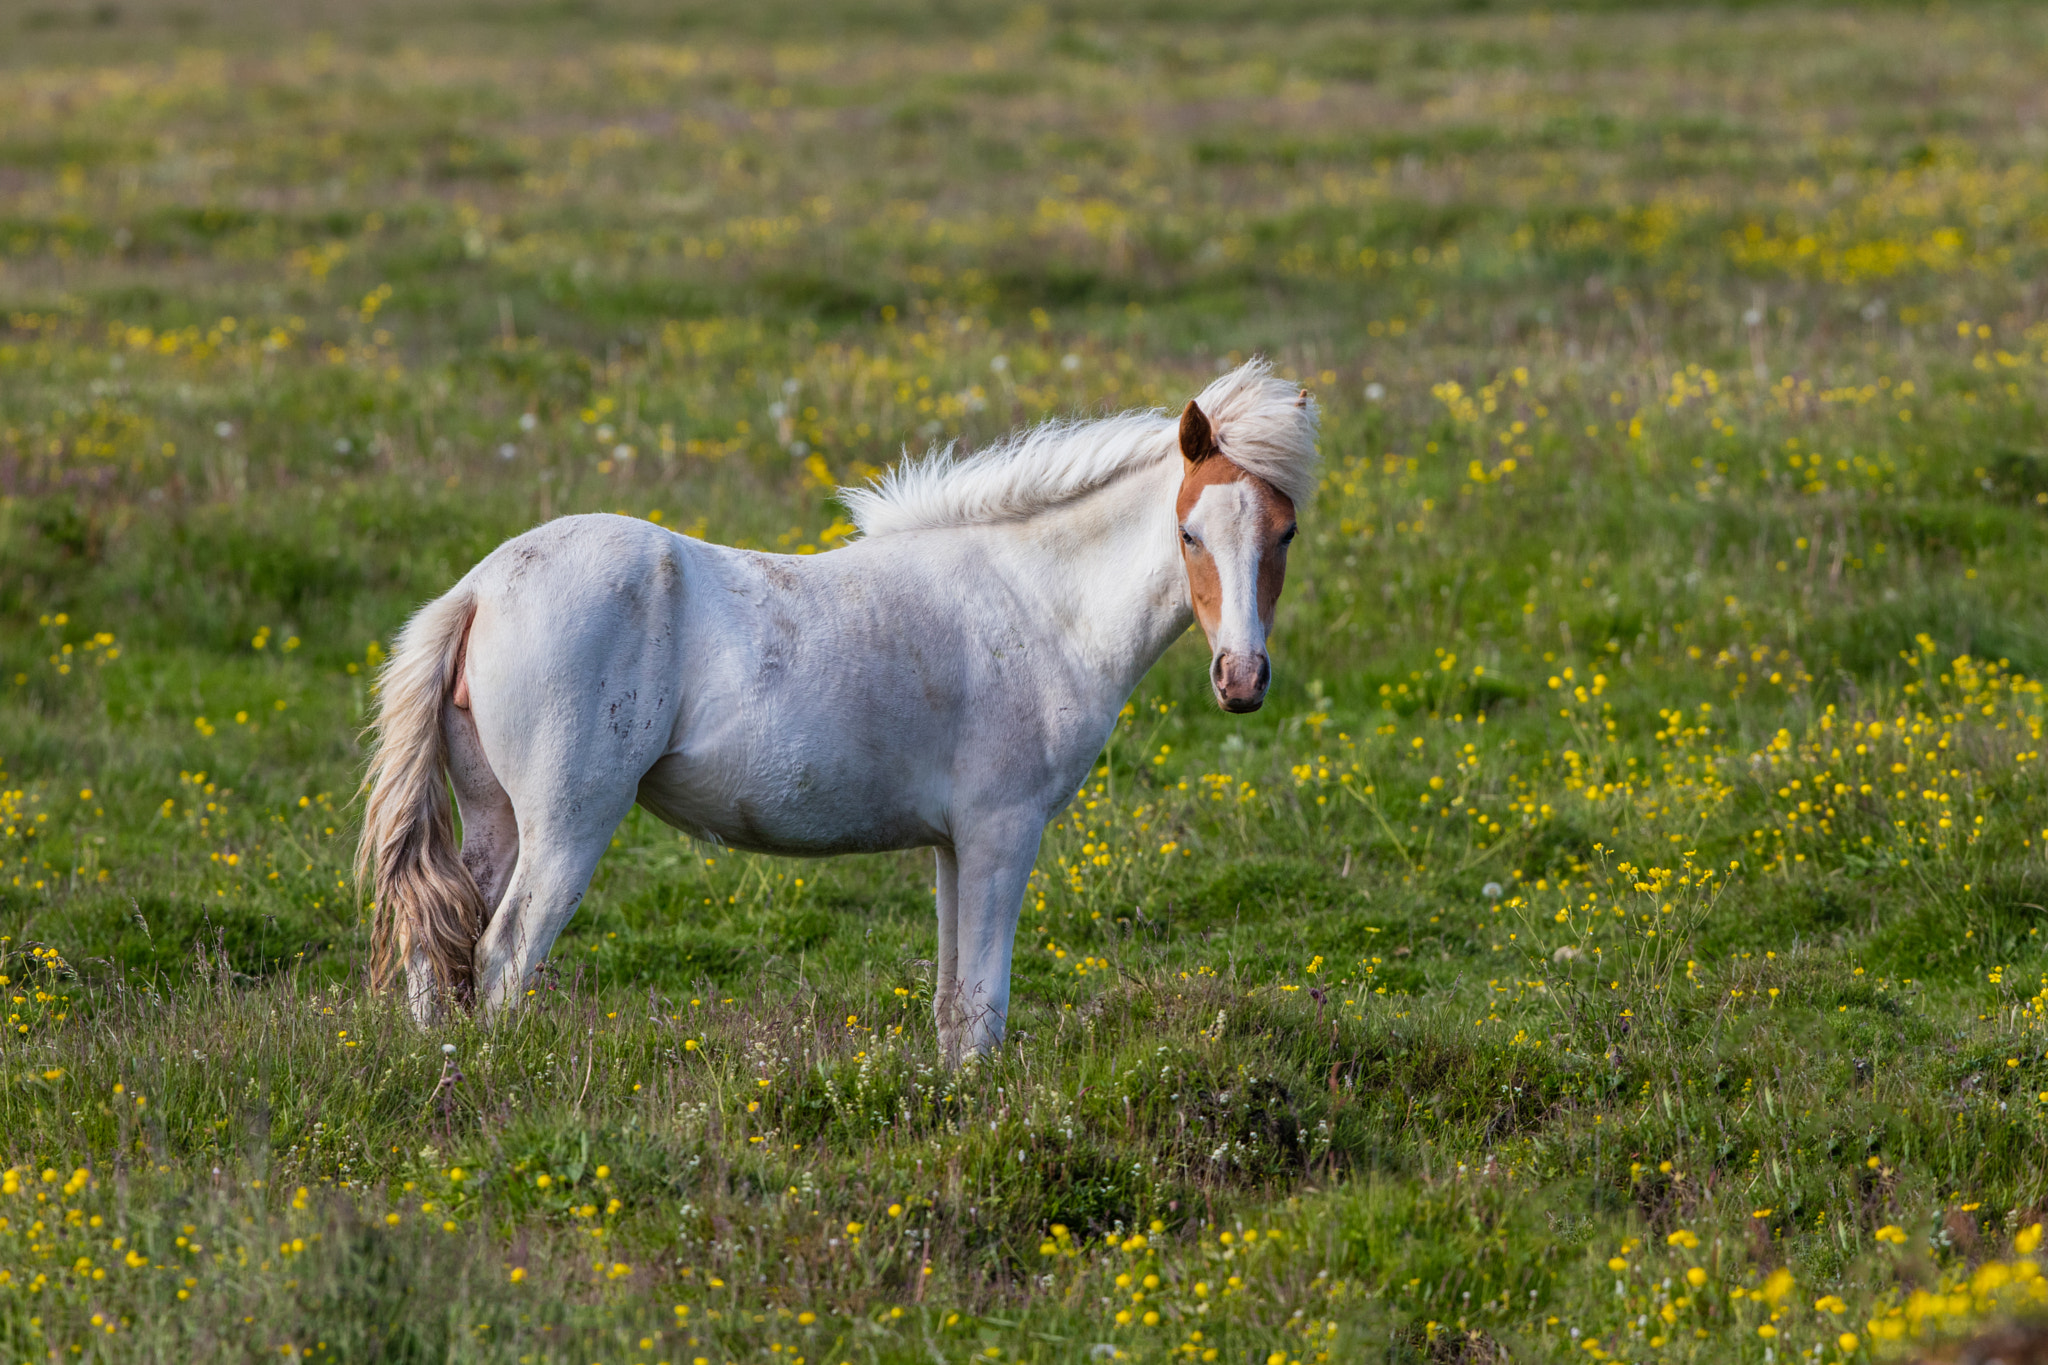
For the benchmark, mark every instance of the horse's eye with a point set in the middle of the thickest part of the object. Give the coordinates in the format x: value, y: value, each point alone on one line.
x: 1187, y: 538
x: 1287, y: 536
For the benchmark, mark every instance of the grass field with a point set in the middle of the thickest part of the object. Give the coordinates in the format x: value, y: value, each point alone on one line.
x: 1618, y: 937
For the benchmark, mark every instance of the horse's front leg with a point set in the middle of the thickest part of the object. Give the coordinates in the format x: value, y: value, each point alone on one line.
x: 994, y: 865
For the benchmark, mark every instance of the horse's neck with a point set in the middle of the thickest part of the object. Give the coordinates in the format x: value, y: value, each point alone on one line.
x: 1111, y: 561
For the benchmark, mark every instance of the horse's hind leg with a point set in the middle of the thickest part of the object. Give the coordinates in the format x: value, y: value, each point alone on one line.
x: 490, y: 829
x: 548, y: 882
x: 571, y: 693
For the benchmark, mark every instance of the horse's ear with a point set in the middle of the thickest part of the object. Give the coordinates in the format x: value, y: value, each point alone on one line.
x: 1197, y: 437
x: 1302, y: 401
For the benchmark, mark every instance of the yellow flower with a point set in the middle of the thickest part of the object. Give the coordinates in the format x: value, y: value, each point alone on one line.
x: 518, y: 1273
x: 2028, y: 1241
x: 1683, y: 1238
x: 1696, y: 1277
x: 1847, y: 1341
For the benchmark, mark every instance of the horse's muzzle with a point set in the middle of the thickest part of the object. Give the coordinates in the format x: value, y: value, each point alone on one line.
x: 1240, y: 680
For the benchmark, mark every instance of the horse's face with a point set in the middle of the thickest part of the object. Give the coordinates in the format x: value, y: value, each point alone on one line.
x: 1234, y: 533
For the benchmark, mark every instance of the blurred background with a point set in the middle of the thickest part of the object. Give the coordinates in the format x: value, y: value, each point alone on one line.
x: 1681, y: 371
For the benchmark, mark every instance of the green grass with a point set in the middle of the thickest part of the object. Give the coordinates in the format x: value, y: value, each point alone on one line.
x: 1637, y: 869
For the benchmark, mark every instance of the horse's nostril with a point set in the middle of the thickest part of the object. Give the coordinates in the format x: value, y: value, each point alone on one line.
x: 1265, y: 672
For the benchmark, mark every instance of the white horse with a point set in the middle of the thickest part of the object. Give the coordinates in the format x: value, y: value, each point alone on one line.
x: 944, y: 681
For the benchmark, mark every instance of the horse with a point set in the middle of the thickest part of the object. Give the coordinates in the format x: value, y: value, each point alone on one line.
x: 944, y: 680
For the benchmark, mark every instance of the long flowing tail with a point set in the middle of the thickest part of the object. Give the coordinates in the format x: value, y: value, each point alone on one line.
x: 427, y: 905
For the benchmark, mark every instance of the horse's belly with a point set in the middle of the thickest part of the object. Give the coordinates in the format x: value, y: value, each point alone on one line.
x: 807, y: 812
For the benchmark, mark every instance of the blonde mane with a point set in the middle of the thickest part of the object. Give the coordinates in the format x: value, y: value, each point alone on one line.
x: 1262, y: 424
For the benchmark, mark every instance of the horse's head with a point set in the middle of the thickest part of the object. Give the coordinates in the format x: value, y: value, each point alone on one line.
x: 1234, y: 531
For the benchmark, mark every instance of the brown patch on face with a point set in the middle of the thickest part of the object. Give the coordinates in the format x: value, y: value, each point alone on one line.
x: 1207, y: 467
